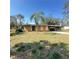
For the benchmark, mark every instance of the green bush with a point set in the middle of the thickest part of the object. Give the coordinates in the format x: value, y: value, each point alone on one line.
x: 34, y: 51
x: 19, y: 31
x: 38, y: 50
x: 21, y: 47
x: 12, y: 52
x: 40, y: 47
x: 55, y: 55
x: 12, y: 34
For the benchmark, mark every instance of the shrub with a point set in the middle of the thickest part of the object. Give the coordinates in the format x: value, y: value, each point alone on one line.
x: 55, y: 55
x: 40, y: 47
x: 38, y: 51
x: 34, y: 51
x: 21, y: 47
x: 62, y: 45
x: 12, y: 34
x: 12, y: 52
x: 18, y: 31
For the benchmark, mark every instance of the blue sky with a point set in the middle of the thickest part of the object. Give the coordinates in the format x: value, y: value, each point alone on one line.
x: 27, y: 7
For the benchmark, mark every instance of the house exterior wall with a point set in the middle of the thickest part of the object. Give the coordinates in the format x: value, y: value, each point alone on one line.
x: 43, y: 28
x: 27, y: 28
x: 37, y: 28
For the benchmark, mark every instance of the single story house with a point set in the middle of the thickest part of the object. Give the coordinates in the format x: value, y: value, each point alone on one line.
x: 28, y: 28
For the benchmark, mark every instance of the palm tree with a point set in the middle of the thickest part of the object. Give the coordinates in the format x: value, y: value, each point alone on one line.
x: 37, y: 17
x: 43, y: 20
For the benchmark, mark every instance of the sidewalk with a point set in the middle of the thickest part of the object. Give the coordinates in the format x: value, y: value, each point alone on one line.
x: 61, y: 32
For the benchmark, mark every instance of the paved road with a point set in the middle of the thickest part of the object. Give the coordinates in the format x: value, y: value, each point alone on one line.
x: 61, y: 32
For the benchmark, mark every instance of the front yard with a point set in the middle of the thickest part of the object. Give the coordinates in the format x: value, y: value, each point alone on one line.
x: 30, y: 37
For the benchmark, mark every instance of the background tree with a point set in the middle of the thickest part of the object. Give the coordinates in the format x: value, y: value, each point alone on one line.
x: 13, y: 22
x: 20, y: 20
x: 66, y: 13
x: 66, y: 7
x: 53, y: 21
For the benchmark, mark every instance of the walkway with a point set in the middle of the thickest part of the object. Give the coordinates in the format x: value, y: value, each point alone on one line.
x: 61, y: 32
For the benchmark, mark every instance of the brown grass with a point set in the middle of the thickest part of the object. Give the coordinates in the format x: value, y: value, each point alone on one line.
x: 37, y: 36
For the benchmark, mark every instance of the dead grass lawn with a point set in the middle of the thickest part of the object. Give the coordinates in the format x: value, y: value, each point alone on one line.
x: 28, y: 37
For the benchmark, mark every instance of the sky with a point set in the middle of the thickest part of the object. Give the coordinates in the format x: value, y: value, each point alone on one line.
x: 27, y: 7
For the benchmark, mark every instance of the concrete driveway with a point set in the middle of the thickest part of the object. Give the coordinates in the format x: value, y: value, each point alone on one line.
x: 61, y: 32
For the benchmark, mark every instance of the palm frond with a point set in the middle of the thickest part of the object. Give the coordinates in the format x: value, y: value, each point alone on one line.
x: 32, y: 16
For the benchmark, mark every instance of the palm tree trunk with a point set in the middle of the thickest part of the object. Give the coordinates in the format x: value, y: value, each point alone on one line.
x: 36, y: 27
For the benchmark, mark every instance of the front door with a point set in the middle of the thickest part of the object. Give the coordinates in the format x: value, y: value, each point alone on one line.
x: 33, y: 28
